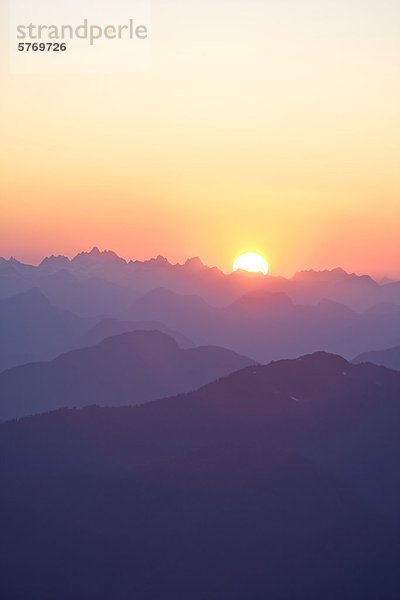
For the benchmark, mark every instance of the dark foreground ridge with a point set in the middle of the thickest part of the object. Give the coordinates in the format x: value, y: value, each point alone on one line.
x: 277, y: 481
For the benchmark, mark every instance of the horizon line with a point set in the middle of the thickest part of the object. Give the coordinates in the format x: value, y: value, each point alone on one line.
x: 161, y: 258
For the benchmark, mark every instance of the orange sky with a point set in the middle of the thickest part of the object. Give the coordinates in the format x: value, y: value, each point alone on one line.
x: 270, y: 127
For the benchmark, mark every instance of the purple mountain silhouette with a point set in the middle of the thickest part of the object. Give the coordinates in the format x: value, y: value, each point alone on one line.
x: 130, y: 368
x: 296, y: 460
x: 193, y: 277
x: 389, y: 358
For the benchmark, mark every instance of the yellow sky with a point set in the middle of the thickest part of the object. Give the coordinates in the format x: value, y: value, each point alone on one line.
x: 268, y: 126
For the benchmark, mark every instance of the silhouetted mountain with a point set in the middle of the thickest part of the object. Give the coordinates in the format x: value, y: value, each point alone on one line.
x: 15, y: 277
x: 342, y: 416
x: 32, y: 329
x: 386, y: 358
x: 195, y: 263
x: 262, y: 324
x: 77, y: 290
x: 112, y: 327
x: 95, y: 259
x: 90, y: 297
x: 192, y: 312
x: 128, y: 369
x: 278, y: 481
x: 359, y: 292
x: 268, y: 318
x: 53, y: 264
x: 333, y: 275
x: 269, y: 326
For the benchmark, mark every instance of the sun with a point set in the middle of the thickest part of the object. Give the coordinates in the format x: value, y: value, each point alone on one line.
x: 252, y: 263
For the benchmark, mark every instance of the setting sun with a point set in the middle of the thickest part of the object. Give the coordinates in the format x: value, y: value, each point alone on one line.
x: 251, y: 262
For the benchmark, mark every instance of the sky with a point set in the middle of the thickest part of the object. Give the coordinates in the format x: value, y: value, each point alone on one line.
x: 261, y: 125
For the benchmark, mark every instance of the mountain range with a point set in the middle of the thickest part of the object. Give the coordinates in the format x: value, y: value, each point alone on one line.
x: 270, y: 326
x: 31, y: 328
x: 276, y: 481
x: 173, y: 431
x: 389, y: 358
x: 111, y: 282
x: 131, y: 368
x: 261, y: 324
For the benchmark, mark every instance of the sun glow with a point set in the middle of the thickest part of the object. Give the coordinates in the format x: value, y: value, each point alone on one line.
x: 252, y: 263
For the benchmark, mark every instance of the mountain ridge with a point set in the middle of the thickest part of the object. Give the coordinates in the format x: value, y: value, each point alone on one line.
x: 359, y: 292
x: 389, y: 358
x: 129, y: 368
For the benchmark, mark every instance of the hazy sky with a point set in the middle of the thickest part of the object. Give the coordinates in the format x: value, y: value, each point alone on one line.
x: 268, y: 125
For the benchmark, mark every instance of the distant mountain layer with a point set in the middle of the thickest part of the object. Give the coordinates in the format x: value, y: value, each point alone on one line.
x: 269, y: 326
x: 108, y: 283
x: 267, y: 318
x: 111, y: 327
x: 387, y: 358
x: 266, y: 326
x: 86, y: 294
x: 277, y: 481
x: 130, y: 368
x: 33, y: 329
